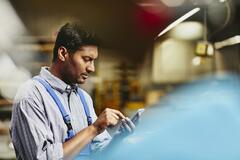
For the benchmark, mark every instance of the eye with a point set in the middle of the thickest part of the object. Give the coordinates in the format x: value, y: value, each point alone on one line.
x: 87, y: 59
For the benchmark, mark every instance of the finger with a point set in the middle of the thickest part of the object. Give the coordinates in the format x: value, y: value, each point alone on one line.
x: 122, y: 129
x: 115, y: 116
x: 130, y: 123
x: 113, y: 119
x: 126, y: 127
x: 118, y: 113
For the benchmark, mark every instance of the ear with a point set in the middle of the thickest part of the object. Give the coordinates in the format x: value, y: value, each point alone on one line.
x: 62, y: 53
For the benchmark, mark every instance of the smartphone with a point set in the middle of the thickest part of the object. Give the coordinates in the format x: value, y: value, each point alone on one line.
x: 137, y: 115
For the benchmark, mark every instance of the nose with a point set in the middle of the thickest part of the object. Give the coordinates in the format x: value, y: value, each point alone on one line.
x: 91, y: 67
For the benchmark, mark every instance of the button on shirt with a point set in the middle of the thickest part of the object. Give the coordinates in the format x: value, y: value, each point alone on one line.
x: 37, y: 126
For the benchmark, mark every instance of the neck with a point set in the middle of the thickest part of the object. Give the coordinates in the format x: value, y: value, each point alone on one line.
x: 55, y: 70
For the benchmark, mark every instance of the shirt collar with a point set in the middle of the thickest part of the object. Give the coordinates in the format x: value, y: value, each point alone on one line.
x: 57, y: 83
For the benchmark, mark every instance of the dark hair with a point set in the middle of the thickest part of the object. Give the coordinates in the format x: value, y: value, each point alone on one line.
x: 72, y: 36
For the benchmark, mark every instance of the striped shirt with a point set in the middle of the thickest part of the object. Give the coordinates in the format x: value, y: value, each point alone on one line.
x: 37, y: 126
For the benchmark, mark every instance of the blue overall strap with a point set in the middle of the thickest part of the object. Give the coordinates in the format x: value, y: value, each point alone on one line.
x: 65, y: 116
x: 85, y: 106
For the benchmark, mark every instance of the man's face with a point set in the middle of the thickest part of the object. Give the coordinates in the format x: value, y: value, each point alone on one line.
x: 80, y: 64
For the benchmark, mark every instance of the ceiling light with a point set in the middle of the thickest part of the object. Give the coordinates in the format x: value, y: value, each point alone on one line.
x: 179, y: 20
x: 188, y: 31
x: 173, y: 3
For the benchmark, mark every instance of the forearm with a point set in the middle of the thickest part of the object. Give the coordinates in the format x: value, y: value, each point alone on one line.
x: 73, y: 146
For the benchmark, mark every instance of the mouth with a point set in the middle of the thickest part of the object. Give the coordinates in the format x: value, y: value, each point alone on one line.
x: 85, y: 76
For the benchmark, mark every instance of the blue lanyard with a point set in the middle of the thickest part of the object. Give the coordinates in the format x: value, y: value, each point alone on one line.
x: 66, y: 116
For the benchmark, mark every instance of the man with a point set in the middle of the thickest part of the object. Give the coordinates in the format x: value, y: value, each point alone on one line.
x: 52, y: 117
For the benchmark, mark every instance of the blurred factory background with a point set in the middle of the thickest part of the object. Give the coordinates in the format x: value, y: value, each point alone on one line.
x: 136, y: 66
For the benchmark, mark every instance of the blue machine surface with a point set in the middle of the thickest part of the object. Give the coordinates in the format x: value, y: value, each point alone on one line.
x: 199, y: 121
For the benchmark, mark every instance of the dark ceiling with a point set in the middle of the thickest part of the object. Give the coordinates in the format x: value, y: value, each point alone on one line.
x: 124, y: 25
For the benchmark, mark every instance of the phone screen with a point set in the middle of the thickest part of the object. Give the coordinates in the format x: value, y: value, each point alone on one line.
x: 137, y: 115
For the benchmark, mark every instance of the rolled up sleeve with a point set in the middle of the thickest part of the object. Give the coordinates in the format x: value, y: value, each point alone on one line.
x: 31, y: 132
x: 101, y: 141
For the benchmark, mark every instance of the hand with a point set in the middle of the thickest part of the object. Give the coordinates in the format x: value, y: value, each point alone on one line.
x: 108, y: 118
x: 127, y: 127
